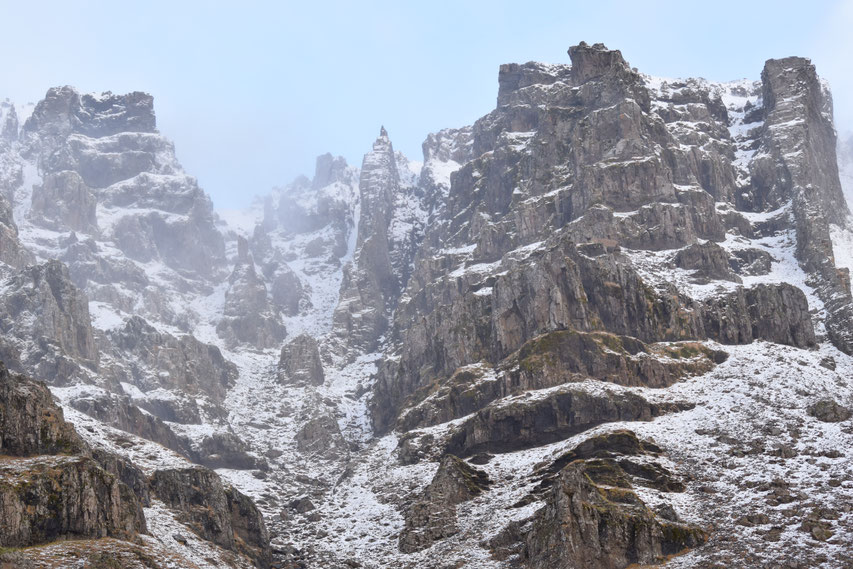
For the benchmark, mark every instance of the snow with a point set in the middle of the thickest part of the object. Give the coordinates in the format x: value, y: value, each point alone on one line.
x: 441, y: 171
x: 147, y: 455
x: 760, y: 395
x: 105, y: 316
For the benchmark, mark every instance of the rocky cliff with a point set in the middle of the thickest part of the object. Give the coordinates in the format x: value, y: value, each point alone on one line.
x: 606, y: 325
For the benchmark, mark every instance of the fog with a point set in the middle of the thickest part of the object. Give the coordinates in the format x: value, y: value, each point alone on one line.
x: 251, y: 96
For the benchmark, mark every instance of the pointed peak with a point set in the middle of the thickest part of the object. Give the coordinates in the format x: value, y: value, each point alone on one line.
x: 383, y: 142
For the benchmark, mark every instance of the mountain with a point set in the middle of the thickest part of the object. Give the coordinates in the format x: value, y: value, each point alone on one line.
x: 609, y: 324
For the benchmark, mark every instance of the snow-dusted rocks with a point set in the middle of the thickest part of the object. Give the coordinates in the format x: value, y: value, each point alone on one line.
x: 46, y: 324
x: 796, y: 164
x: 604, y: 259
x: 214, y: 512
x: 375, y: 279
x: 50, y: 490
x: 299, y: 362
x: 433, y: 516
x: 172, y: 374
x: 592, y: 518
x: 30, y: 422
x: 12, y: 253
x: 248, y: 315
x: 305, y: 234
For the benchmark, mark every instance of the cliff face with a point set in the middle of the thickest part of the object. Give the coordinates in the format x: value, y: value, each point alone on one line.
x: 609, y: 228
x: 49, y: 489
x: 608, y: 324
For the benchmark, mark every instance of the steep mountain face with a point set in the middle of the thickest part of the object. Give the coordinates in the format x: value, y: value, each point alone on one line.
x: 55, y: 487
x: 607, y: 325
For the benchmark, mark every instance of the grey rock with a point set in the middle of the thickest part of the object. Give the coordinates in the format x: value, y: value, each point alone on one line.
x: 10, y: 126
x: 799, y: 137
x: 42, y: 304
x: 121, y: 413
x: 369, y: 284
x: 153, y: 359
x: 249, y: 318
x: 30, y: 422
x: 320, y: 436
x: 62, y: 201
x: 829, y: 411
x: 300, y: 363
x: 595, y: 494
x: 776, y: 313
x: 708, y: 261
x: 51, y: 497
x: 12, y: 252
x: 126, y: 472
x: 751, y: 262
x: 552, y: 359
x: 328, y: 169
x: 521, y: 423
x: 64, y: 111
x: 218, y: 514
x: 51, y: 490
x: 225, y: 450
x: 432, y: 516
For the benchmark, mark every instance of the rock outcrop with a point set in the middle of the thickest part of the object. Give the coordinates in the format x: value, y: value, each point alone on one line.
x: 432, y: 516
x: 12, y: 252
x: 319, y: 434
x: 553, y: 359
x: 300, y: 362
x: 152, y: 360
x: 48, y: 498
x: 369, y: 284
x: 49, y: 318
x: 215, y: 513
x: 592, y: 518
x: 796, y: 162
x: 30, y: 422
x: 248, y: 316
x: 561, y: 289
x: 49, y: 489
x: 519, y: 423
x: 119, y: 412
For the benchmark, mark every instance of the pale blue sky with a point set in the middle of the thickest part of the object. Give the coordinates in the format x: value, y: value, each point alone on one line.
x: 251, y: 91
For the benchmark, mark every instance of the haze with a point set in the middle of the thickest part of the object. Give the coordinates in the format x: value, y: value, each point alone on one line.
x: 252, y: 92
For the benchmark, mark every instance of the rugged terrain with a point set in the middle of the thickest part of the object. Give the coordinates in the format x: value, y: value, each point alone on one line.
x: 609, y: 324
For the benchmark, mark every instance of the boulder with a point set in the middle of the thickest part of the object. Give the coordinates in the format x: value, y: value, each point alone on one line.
x: 829, y: 411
